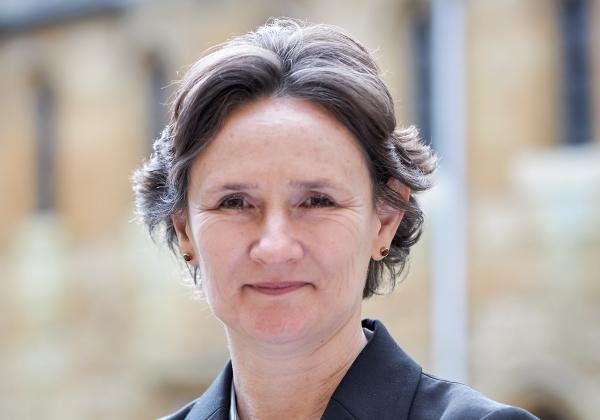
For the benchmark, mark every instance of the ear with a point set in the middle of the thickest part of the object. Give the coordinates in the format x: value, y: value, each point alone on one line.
x: 184, y: 237
x: 389, y: 219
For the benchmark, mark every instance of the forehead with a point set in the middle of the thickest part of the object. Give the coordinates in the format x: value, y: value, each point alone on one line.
x: 289, y: 136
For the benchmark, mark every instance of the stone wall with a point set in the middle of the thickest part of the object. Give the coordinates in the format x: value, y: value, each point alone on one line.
x: 97, y: 322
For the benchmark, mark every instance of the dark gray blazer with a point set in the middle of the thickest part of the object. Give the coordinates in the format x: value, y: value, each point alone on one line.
x: 382, y: 383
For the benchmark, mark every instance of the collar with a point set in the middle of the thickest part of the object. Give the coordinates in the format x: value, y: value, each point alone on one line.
x: 233, y: 414
x: 380, y: 384
x: 214, y: 403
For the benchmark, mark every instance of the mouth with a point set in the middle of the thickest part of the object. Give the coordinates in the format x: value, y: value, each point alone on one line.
x: 278, y: 287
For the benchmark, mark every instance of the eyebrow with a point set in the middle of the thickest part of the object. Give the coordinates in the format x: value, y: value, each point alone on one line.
x: 305, y: 185
x: 232, y: 187
x: 312, y: 185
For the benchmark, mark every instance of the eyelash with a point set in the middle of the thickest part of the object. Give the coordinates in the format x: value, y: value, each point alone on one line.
x: 321, y: 197
x: 238, y: 202
x: 239, y: 198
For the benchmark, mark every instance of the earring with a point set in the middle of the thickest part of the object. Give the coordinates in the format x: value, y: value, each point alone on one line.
x: 383, y: 251
x: 193, y: 274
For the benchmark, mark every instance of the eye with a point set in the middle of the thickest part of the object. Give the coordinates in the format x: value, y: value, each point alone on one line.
x: 234, y: 202
x: 318, y: 200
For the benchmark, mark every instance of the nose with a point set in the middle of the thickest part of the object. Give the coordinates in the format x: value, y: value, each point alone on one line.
x: 276, y: 243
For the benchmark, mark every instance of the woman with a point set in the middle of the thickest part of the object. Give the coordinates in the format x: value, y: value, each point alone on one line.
x: 286, y: 187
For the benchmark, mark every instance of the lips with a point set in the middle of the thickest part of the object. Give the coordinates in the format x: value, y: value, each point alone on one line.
x: 274, y: 288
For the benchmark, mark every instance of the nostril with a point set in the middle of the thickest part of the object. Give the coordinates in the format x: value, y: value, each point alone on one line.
x: 276, y: 250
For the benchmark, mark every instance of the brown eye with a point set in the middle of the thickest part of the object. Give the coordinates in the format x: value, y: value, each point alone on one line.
x: 318, y: 201
x: 234, y: 202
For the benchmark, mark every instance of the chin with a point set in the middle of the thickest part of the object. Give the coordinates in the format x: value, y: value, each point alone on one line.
x: 279, y: 327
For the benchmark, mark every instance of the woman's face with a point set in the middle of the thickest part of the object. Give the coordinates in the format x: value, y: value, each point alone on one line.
x: 281, y: 220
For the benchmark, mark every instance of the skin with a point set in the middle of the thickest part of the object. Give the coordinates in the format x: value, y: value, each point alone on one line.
x: 281, y: 221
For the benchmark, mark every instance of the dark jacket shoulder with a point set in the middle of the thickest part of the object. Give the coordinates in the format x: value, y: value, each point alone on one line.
x: 385, y: 383
x: 212, y: 405
x: 437, y: 398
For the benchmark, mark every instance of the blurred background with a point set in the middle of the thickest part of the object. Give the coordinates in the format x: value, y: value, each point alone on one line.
x: 503, y: 290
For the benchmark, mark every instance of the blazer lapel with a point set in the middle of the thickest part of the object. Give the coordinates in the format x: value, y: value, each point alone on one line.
x: 214, y: 403
x: 380, y: 384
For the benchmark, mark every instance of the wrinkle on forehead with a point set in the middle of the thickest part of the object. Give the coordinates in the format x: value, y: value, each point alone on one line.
x: 288, y: 137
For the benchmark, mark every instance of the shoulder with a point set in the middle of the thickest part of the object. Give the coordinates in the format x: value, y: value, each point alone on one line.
x: 385, y: 383
x: 212, y: 405
x: 192, y: 411
x: 437, y: 398
x: 181, y: 413
x: 199, y: 409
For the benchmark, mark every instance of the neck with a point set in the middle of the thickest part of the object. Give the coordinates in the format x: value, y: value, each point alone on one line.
x: 292, y: 381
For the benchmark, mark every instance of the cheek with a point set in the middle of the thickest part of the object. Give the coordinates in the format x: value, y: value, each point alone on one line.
x: 344, y: 246
x: 349, y: 275
x: 351, y: 234
x: 219, y: 245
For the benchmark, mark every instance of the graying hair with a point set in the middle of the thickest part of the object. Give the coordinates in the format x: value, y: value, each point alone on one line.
x: 288, y: 58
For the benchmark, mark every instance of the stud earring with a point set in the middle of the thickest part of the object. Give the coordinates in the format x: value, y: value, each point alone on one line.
x: 383, y: 251
x: 193, y: 274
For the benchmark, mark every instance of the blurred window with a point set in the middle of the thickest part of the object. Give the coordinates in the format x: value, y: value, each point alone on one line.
x: 45, y: 110
x: 547, y: 414
x: 421, y: 52
x: 576, y: 71
x: 24, y: 15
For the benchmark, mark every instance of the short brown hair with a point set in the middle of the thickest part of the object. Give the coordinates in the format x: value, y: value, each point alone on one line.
x: 287, y: 58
